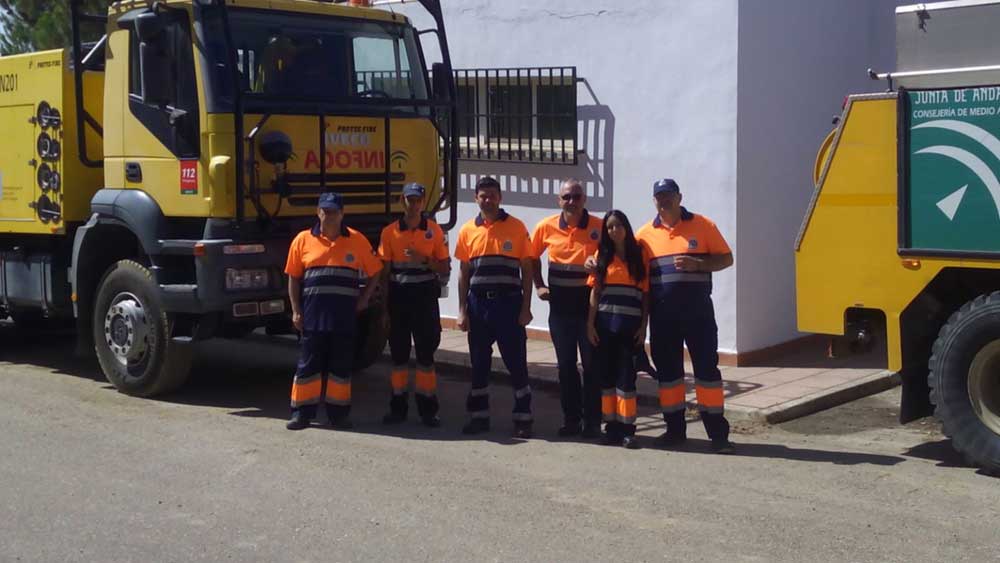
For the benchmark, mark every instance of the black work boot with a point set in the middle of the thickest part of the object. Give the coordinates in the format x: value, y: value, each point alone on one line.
x: 591, y: 430
x: 723, y: 446
x: 297, y: 422
x: 569, y: 428
x: 522, y: 429
x: 671, y: 439
x: 612, y: 434
x: 431, y: 421
x: 477, y: 426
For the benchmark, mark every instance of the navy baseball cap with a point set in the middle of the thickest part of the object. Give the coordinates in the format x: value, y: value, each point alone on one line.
x: 330, y: 200
x: 666, y: 186
x: 413, y: 189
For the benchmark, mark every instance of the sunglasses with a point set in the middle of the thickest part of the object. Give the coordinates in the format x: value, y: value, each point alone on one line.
x: 571, y: 197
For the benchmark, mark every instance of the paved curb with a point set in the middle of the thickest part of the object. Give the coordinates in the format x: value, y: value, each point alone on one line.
x: 828, y: 398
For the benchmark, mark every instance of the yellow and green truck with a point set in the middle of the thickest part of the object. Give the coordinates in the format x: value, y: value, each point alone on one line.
x: 150, y: 183
x: 902, y: 236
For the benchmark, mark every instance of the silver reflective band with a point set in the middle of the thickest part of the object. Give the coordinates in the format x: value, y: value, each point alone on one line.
x: 331, y: 289
x: 675, y: 408
x: 305, y: 402
x: 708, y: 384
x: 522, y: 392
x: 495, y: 261
x: 332, y: 271
x: 521, y: 417
x: 625, y: 394
x: 484, y: 392
x: 413, y: 278
x: 685, y: 277
x: 566, y: 267
x: 619, y: 310
x: 626, y: 291
x: 480, y: 414
x: 306, y: 379
x: 567, y: 282
x: 480, y: 280
x: 711, y: 410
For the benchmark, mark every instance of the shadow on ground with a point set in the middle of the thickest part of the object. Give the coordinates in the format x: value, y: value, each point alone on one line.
x: 252, y: 378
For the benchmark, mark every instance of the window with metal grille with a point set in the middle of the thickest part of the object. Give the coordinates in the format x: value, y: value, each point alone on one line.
x: 518, y: 114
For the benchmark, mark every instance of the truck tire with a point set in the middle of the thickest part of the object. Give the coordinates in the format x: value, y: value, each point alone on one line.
x: 372, y: 336
x: 132, y: 334
x: 965, y: 380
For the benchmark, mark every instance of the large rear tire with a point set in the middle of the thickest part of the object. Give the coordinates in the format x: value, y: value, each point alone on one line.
x: 132, y: 334
x: 965, y: 380
x: 372, y: 336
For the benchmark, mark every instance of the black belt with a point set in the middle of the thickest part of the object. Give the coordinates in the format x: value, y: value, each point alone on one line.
x: 495, y: 293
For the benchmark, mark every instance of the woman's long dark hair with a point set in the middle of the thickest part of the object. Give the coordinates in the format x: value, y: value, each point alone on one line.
x: 606, y: 250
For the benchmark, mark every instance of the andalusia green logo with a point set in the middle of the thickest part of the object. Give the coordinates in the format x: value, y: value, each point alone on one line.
x: 954, y: 159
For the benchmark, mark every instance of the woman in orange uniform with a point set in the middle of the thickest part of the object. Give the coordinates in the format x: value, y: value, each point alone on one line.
x: 616, y: 324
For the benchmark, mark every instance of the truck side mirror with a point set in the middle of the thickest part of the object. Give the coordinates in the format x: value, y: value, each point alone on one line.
x: 148, y: 25
x: 441, y: 82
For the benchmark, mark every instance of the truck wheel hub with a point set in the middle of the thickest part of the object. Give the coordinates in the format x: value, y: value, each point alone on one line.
x: 984, y: 385
x: 126, y: 329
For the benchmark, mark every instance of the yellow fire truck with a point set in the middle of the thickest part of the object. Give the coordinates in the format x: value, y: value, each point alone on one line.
x: 150, y: 183
x: 902, y: 237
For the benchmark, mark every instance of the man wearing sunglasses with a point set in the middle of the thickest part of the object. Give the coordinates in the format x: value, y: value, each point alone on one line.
x: 570, y: 237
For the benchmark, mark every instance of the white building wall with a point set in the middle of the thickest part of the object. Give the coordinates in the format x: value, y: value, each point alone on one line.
x: 797, y: 61
x: 658, y: 98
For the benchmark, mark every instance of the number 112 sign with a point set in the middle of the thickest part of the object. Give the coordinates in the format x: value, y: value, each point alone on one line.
x: 189, y: 177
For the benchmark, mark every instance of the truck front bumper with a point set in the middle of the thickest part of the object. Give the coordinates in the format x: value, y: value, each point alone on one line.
x: 207, y: 292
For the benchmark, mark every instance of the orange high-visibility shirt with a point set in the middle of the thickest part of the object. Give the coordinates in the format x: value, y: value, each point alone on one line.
x: 693, y: 235
x: 619, y: 307
x: 400, y: 245
x: 494, y: 250
x: 332, y: 273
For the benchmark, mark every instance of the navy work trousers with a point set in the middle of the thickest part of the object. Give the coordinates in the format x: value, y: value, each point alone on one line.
x: 569, y: 334
x: 414, y: 317
x: 668, y: 333
x: 324, y: 373
x: 493, y: 318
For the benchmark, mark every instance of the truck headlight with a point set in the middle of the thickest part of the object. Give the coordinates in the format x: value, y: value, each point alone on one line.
x: 246, y: 279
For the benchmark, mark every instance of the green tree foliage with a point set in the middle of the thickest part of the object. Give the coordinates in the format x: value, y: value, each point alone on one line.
x: 35, y: 25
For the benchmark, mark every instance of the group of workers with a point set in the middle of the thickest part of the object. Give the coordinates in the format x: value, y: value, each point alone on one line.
x: 606, y: 284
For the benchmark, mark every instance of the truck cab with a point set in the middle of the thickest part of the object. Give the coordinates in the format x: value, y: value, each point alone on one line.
x: 220, y: 123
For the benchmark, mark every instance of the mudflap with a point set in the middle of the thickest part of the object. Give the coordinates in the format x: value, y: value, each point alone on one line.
x: 916, y: 396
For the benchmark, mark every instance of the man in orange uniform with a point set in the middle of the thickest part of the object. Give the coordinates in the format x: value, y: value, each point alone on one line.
x: 570, y: 237
x: 327, y: 266
x: 414, y: 250
x: 683, y: 249
x: 494, y: 304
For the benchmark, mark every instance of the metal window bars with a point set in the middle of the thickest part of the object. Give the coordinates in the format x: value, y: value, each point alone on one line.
x: 526, y: 114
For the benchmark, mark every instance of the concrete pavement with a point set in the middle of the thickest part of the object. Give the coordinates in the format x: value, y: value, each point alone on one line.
x: 210, y: 474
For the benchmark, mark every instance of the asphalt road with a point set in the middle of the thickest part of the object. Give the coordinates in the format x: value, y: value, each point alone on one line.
x: 210, y: 474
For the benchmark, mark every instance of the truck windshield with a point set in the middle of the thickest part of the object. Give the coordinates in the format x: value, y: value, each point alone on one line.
x: 299, y: 56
